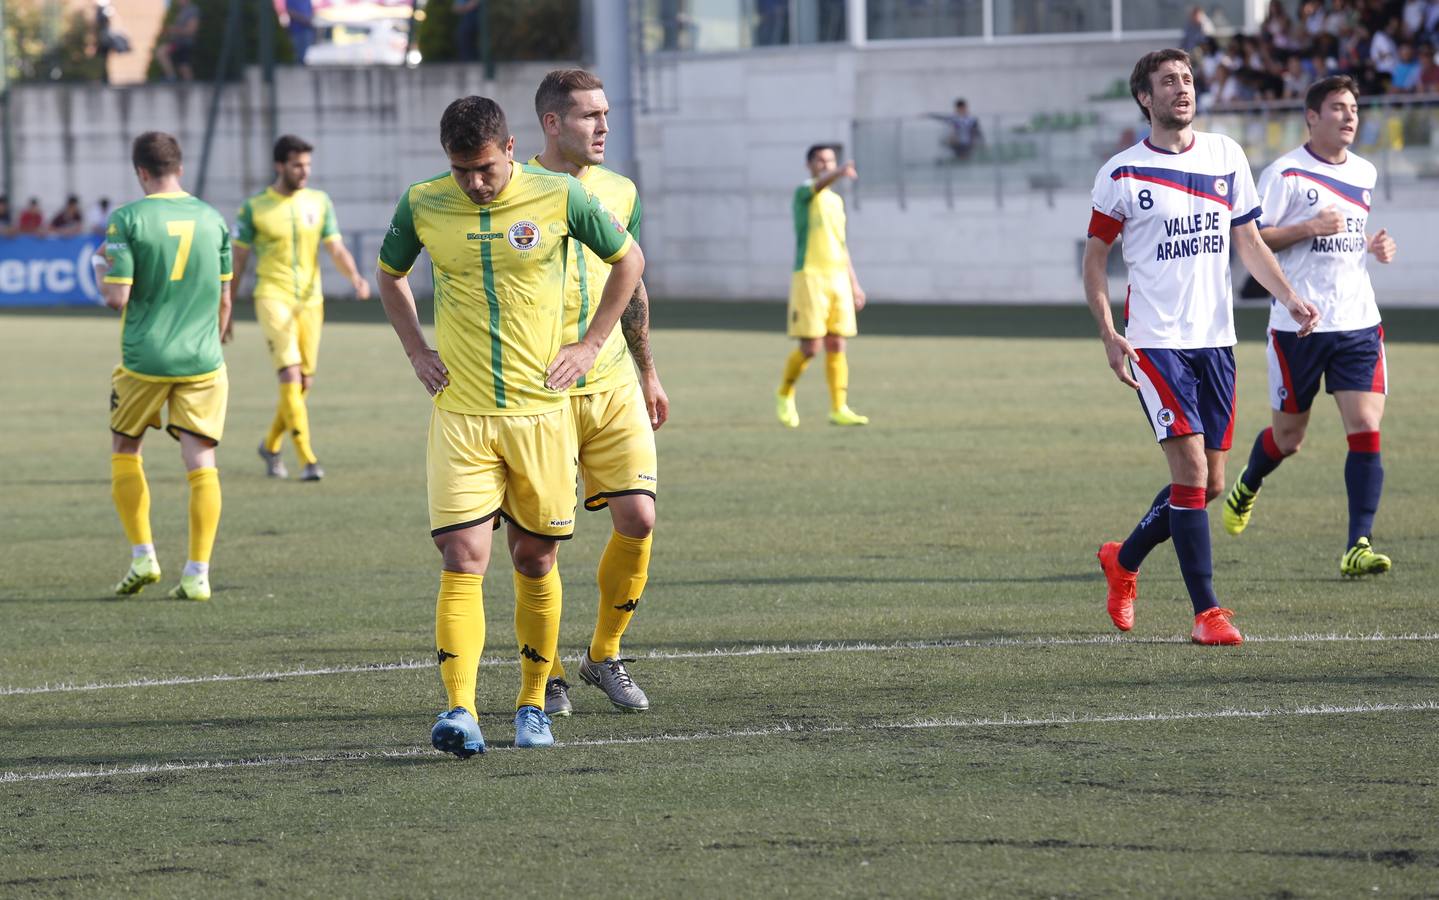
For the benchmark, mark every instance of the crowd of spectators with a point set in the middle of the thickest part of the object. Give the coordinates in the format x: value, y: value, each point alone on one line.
x: 71, y: 220
x: 1387, y: 46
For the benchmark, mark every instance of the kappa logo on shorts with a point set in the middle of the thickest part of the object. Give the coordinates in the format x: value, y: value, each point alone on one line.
x: 114, y: 400
x: 1221, y: 187
x: 643, y: 477
x: 524, y: 235
x: 561, y: 523
x: 1165, y: 417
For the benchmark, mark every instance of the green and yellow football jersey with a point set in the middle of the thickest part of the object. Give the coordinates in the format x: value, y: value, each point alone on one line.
x: 585, y: 282
x: 499, y: 272
x: 819, y: 230
x: 174, y: 251
x: 286, y: 233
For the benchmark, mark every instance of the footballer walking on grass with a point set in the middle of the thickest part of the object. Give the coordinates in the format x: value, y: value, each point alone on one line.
x: 615, y: 412
x: 286, y: 224
x: 166, y: 268
x: 501, y: 438
x: 1179, y: 198
x: 1316, y: 212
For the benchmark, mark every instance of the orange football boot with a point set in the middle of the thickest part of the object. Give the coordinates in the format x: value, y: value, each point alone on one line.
x: 1123, y: 586
x: 1213, y: 627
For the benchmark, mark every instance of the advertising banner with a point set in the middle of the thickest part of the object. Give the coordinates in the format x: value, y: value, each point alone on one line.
x: 48, y: 271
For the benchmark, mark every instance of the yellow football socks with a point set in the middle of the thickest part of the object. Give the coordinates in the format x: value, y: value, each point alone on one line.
x: 297, y: 420
x: 537, y: 631
x: 460, y: 635
x: 276, y: 434
x: 204, y: 511
x: 624, y: 569
x: 836, y: 369
x: 132, y: 496
x: 793, y: 368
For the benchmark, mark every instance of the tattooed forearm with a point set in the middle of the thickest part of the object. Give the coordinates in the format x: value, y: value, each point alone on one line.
x: 635, y: 323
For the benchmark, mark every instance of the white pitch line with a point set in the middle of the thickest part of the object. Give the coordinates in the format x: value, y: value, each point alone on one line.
x: 781, y: 729
x: 724, y: 653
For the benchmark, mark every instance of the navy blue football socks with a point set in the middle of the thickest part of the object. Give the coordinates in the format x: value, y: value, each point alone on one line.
x: 1189, y: 526
x: 1263, y: 459
x: 1364, y: 479
x: 1151, y: 531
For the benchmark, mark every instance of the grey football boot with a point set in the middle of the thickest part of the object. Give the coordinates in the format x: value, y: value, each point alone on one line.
x: 313, y: 472
x: 611, y: 676
x: 557, y: 698
x: 274, y: 464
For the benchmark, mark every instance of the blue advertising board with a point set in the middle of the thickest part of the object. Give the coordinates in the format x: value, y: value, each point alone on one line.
x: 48, y: 271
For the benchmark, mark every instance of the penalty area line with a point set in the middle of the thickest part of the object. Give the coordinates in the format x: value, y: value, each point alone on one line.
x: 778, y: 730
x: 735, y: 652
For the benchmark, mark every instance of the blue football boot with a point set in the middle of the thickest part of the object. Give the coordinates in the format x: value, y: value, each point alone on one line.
x: 532, y: 728
x: 457, y: 732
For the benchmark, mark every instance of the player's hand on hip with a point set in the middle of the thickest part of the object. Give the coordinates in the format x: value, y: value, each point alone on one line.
x: 1329, y: 221
x: 1383, y: 246
x: 860, y: 297
x: 657, y: 402
x: 362, y: 288
x: 1306, y: 314
x: 430, y: 369
x: 569, y: 366
x: 1119, y: 352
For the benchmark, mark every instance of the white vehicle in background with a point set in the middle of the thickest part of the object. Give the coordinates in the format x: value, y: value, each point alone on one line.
x: 346, y: 40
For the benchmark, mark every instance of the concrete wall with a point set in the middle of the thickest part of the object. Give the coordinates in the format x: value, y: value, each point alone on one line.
x: 717, y: 160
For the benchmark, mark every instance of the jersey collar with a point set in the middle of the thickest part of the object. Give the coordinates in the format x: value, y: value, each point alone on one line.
x: 1192, y: 140
x: 167, y: 195
x: 1310, y: 151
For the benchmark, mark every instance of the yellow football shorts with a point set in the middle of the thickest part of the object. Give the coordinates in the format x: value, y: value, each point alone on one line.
x: 521, y: 467
x: 617, y: 445
x: 293, y: 332
x: 194, y: 406
x: 821, y: 303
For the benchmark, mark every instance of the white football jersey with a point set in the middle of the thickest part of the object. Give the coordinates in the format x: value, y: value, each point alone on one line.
x: 1175, y: 211
x: 1328, y: 271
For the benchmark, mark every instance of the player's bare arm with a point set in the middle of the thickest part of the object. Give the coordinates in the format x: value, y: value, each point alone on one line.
x: 1383, y: 246
x: 635, y: 325
x: 116, y: 295
x: 345, y: 262
x: 226, y: 313
x: 1327, y: 221
x: 1260, y: 262
x: 574, y: 360
x: 1096, y: 291
x: 859, y: 295
x: 826, y: 179
x: 399, y: 303
x: 239, y: 261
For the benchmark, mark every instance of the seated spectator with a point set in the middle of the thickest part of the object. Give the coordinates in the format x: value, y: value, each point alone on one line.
x: 964, y: 134
x: 98, y: 218
x: 177, y: 44
x: 1428, y: 71
x: 70, y: 219
x: 1384, y: 47
x: 1405, y: 77
x: 32, y: 220
x: 4, y: 215
x: 1197, y: 29
x: 1278, y: 27
x: 1296, y: 79
x: 1224, y: 88
x: 1311, y: 15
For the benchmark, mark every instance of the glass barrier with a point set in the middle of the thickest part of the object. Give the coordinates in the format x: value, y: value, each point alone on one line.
x: 709, y: 26
x: 907, y: 158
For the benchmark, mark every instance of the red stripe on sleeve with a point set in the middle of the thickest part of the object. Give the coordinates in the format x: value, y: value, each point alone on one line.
x: 1105, y: 227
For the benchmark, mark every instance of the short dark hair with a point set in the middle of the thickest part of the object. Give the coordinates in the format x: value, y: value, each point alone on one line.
x: 1148, y: 64
x: 288, y: 145
x: 556, y: 91
x: 157, y: 153
x: 960, y: 101
x: 470, y: 123
x: 1321, y: 89
x: 817, y: 149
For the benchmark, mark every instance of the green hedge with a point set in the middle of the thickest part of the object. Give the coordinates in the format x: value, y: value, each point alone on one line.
x: 534, y: 30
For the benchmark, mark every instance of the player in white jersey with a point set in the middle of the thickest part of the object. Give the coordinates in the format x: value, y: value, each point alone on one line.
x: 1179, y: 197
x: 1316, y: 219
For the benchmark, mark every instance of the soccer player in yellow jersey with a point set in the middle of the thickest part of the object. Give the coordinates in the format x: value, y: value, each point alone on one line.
x: 285, y: 225
x: 166, y: 267
x: 615, y: 412
x: 824, y: 293
x: 501, y: 440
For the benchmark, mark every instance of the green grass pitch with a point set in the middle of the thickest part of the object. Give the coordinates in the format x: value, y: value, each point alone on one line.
x: 878, y: 658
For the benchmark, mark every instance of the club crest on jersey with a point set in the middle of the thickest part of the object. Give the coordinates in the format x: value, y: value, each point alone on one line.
x: 1165, y: 417
x: 1221, y: 187
x: 524, y: 235
x: 1367, y: 198
x: 312, y: 218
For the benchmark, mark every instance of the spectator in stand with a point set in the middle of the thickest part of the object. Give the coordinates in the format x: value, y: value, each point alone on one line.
x: 1431, y: 19
x: 1342, y: 16
x: 1413, y: 16
x: 32, y: 220
x: 301, y: 14
x: 1296, y: 79
x: 98, y: 217
x: 467, y: 33
x: 1197, y: 29
x: 1384, y: 47
x: 964, y: 134
x: 1311, y: 15
x: 177, y: 44
x: 1405, y: 77
x: 1278, y: 26
x: 70, y: 220
x: 5, y: 222
x: 1223, y: 88
x: 1428, y: 71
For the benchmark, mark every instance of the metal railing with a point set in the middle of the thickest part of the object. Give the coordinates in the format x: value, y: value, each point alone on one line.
x: 905, y: 158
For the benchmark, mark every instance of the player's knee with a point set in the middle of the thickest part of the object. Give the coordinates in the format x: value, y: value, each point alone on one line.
x: 462, y: 556
x: 1212, y: 491
x: 809, y: 347
x: 833, y: 343
x: 534, y: 565
x: 636, y: 522
x: 1289, y: 442
x: 306, y: 381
